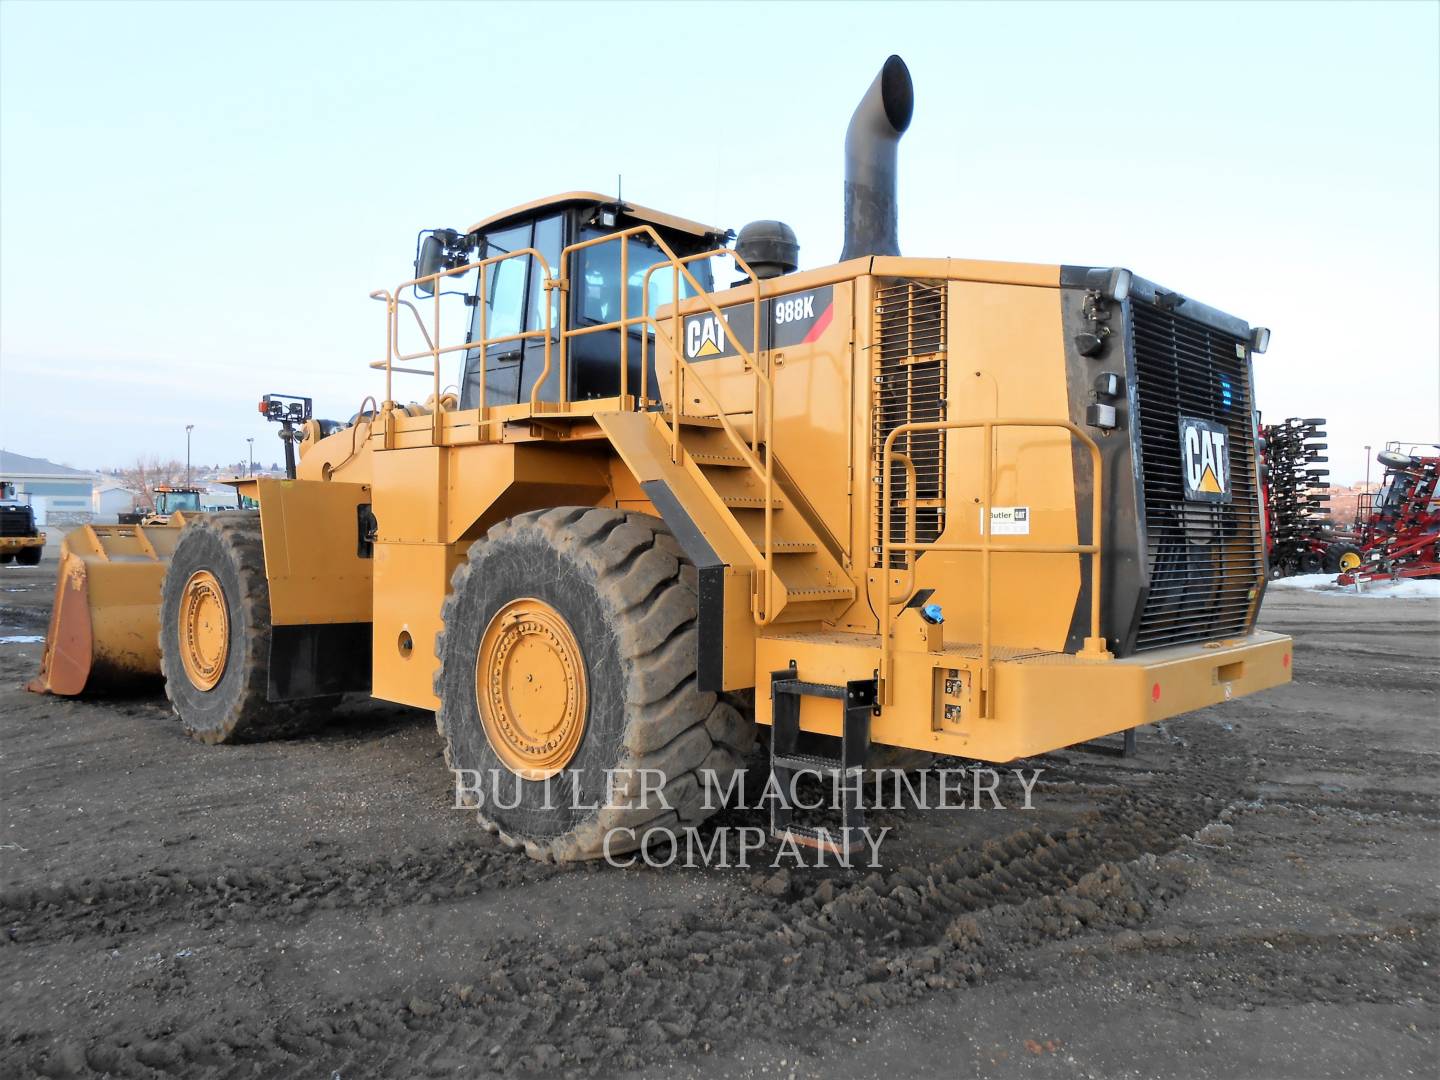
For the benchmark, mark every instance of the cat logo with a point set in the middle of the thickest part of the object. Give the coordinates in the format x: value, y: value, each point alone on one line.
x: 785, y: 321
x: 704, y: 337
x: 1205, y: 460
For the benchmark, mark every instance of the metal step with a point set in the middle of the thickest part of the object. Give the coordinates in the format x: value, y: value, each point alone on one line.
x: 818, y: 594
x: 789, y: 547
x: 859, y: 697
x: 810, y: 763
x: 695, y: 421
x: 706, y: 459
x: 750, y: 502
x: 794, y: 685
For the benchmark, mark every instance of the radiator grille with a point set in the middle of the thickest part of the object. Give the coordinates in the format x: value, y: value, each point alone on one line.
x: 1204, y: 559
x: 16, y: 521
x: 908, y: 380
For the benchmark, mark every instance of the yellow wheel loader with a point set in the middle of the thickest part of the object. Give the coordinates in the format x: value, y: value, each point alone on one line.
x: 902, y: 504
x: 21, y: 540
x: 173, y: 499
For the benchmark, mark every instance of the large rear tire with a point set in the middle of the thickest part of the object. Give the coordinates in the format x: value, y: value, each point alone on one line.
x: 29, y: 556
x: 578, y: 628
x: 215, y: 635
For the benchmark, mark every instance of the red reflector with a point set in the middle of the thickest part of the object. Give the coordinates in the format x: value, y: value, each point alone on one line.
x: 1287, y: 659
x: 263, y: 407
x: 1155, y: 692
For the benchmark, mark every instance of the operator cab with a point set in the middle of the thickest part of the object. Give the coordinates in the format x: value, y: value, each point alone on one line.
x: 515, y: 296
x: 170, y: 499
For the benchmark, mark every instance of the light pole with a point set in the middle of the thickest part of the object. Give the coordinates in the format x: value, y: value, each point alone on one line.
x: 250, y: 457
x: 188, y: 429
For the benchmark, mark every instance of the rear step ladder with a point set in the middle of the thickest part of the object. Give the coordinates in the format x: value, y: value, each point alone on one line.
x: 858, y: 698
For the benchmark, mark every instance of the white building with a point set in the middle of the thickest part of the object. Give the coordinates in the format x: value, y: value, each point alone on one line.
x: 60, y: 495
x: 109, y: 500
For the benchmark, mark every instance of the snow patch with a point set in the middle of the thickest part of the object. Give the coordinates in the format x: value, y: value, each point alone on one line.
x: 22, y: 639
x: 1404, y: 589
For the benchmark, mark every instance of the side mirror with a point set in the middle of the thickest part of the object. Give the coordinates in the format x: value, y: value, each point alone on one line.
x: 431, y: 260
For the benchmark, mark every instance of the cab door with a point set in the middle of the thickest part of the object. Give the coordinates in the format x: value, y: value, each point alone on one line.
x: 514, y: 298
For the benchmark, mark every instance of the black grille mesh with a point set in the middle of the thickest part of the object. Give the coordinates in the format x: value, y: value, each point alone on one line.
x: 1204, y: 559
x: 16, y: 521
x: 908, y: 373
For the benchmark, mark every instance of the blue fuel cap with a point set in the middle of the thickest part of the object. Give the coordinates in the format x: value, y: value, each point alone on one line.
x: 931, y: 613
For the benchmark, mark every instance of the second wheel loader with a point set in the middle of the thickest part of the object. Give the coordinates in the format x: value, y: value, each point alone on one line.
x: 935, y: 505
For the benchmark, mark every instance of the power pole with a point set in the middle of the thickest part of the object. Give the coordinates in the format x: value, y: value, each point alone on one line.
x: 188, y: 429
x: 250, y: 457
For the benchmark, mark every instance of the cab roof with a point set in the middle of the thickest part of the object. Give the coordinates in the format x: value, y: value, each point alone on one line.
x: 594, y: 198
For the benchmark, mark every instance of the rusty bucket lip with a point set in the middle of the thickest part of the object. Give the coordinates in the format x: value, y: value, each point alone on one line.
x: 62, y: 669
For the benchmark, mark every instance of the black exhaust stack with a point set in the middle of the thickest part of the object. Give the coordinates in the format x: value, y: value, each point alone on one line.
x: 871, y: 220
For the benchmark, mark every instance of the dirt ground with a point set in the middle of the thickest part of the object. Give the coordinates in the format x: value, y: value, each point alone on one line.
x: 1253, y: 894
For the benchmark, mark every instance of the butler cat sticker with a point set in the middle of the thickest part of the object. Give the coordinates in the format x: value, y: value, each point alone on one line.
x: 1205, y: 460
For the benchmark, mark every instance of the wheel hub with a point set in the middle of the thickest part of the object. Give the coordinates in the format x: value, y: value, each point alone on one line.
x: 530, y: 688
x: 204, y: 630
x: 1349, y: 561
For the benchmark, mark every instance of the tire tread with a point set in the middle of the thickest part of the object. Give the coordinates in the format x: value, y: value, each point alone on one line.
x: 670, y: 725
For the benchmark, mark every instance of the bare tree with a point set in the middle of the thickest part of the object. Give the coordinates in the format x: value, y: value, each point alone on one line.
x: 141, y: 478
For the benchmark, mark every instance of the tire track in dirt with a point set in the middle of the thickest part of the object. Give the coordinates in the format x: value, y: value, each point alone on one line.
x: 276, y: 890
x: 1397, y: 963
x: 1365, y: 803
x: 796, y: 953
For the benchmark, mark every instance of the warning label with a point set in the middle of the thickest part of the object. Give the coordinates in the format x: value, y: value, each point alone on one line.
x: 1007, y: 521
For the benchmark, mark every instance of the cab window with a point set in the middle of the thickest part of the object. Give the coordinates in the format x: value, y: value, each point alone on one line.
x: 548, y: 236
x: 597, y: 273
x: 505, y: 282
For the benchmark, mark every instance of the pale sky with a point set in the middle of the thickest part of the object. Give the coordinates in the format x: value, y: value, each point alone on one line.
x: 196, y: 199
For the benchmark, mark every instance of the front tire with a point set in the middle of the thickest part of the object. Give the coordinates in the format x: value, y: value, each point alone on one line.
x: 215, y: 634
x: 578, y: 627
x: 29, y: 556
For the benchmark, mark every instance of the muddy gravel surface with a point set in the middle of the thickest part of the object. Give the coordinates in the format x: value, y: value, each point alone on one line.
x: 1253, y: 894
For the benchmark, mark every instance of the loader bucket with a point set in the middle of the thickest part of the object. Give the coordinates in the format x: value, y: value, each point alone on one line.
x: 105, y: 624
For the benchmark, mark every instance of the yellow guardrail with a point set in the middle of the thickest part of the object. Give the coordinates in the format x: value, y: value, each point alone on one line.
x: 1094, y: 644
x: 683, y: 374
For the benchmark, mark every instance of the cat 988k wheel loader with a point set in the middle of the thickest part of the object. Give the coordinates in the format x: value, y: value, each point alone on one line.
x: 927, y: 504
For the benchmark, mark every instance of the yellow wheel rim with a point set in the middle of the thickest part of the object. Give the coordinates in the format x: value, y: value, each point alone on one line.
x: 1350, y: 560
x: 530, y: 688
x: 204, y: 630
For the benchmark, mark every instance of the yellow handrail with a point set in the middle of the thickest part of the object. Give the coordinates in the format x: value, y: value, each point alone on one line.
x: 682, y: 373
x: 764, y: 611
x: 1094, y: 644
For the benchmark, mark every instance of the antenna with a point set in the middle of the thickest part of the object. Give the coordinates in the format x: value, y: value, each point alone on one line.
x: 619, y: 189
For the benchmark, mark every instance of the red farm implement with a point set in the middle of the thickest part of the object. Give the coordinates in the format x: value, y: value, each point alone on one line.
x: 1297, y: 498
x: 1399, y: 529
